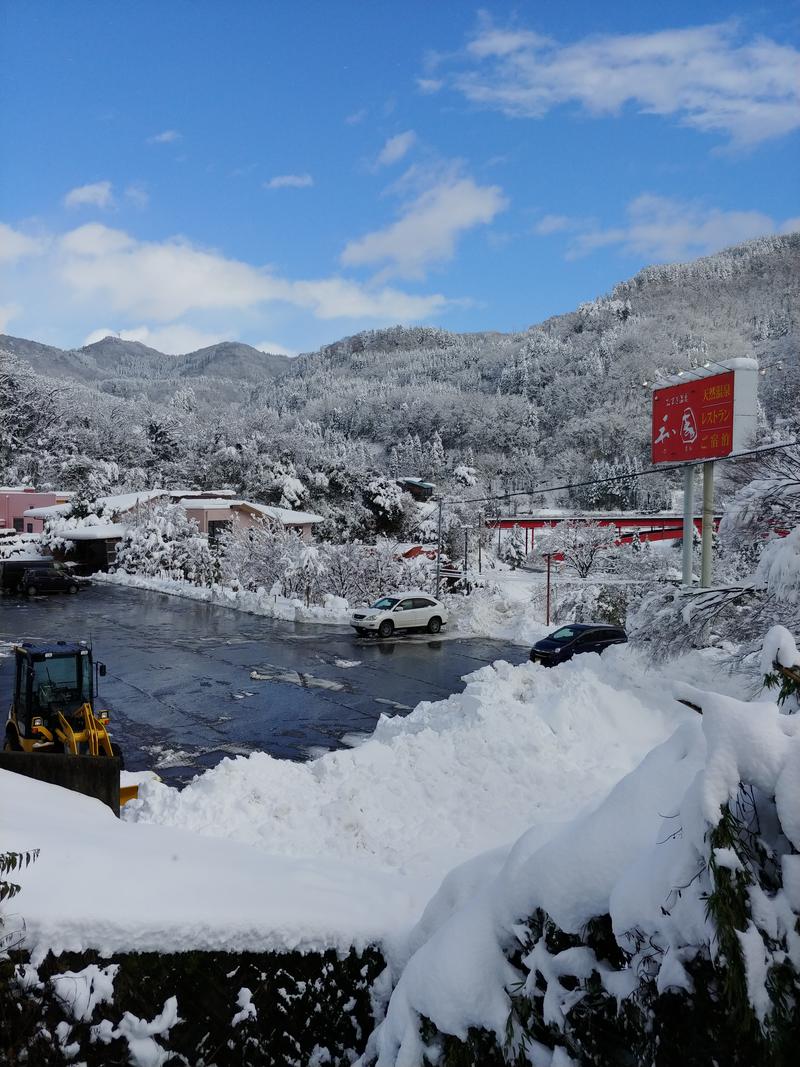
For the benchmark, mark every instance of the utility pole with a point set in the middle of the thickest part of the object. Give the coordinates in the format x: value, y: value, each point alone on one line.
x: 708, y: 524
x: 548, y: 556
x: 466, y: 557
x: 688, y: 523
x: 439, y: 551
x: 480, y: 539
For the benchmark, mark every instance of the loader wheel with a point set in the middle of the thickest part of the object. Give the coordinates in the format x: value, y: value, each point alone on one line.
x: 11, y: 743
x: 386, y: 628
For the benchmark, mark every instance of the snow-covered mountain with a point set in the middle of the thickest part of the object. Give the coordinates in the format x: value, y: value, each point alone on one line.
x: 545, y: 403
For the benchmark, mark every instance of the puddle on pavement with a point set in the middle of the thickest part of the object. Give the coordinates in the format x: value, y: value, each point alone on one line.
x: 289, y: 677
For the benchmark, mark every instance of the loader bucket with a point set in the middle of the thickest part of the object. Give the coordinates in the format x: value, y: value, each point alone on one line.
x: 92, y: 776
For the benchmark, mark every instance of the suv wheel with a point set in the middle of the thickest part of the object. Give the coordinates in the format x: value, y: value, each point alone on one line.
x: 73, y: 589
x: 31, y: 590
x: 434, y: 625
x: 386, y: 628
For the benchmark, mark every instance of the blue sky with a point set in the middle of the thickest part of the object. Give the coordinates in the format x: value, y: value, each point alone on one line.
x: 288, y: 173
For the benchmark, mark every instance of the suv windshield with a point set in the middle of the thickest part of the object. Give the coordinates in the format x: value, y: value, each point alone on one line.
x: 566, y: 633
x: 385, y: 603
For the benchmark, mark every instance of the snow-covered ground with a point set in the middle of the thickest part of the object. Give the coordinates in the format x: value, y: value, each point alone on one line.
x: 348, y: 847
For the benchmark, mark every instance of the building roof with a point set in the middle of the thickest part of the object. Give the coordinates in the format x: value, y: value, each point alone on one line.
x: 103, y: 531
x: 284, y: 515
x: 208, y: 503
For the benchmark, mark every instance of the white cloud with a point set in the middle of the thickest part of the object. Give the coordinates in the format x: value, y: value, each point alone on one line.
x: 356, y: 117
x: 165, y: 137
x: 428, y: 230
x: 430, y: 85
x: 553, y: 224
x: 15, y: 245
x: 137, y: 195
x: 274, y: 347
x: 98, y: 194
x: 290, y: 181
x: 791, y: 225
x: 661, y: 229
x: 706, y: 77
x: 395, y: 148
x: 174, y: 339
x: 7, y: 313
x: 162, y: 281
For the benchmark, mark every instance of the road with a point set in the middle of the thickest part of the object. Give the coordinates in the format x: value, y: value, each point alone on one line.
x: 189, y: 683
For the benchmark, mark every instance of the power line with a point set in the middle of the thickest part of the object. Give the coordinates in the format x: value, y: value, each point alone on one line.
x: 539, y: 491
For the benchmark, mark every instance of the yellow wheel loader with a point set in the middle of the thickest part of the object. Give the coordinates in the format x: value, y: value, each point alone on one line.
x: 53, y: 731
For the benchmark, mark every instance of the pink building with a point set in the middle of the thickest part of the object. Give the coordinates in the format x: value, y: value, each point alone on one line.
x: 16, y: 500
x: 213, y: 515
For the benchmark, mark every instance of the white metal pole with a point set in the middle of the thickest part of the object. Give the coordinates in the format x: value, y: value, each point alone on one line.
x: 708, y: 523
x: 688, y: 522
x: 439, y: 551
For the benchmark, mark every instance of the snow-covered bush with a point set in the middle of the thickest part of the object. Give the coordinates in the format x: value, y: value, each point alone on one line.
x: 166, y: 543
x: 660, y: 928
x: 757, y: 574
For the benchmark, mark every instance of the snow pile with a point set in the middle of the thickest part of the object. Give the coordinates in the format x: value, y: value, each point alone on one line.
x: 779, y: 647
x: 520, y: 745
x: 644, y: 857
x: 131, y: 887
x: 507, y: 609
x: 333, y: 610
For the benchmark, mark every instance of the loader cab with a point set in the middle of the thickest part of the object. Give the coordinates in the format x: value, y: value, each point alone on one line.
x: 50, y: 678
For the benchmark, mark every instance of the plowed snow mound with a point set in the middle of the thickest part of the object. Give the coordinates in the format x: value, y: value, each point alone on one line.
x: 520, y: 746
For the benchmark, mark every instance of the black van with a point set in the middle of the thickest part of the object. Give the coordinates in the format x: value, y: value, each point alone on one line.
x: 569, y: 641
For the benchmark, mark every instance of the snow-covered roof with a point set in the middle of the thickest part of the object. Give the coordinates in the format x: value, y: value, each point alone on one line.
x: 103, y: 531
x: 117, y: 503
x: 285, y: 515
x: 208, y: 503
x: 718, y: 367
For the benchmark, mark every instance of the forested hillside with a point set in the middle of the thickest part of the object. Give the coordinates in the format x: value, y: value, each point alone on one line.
x: 548, y: 404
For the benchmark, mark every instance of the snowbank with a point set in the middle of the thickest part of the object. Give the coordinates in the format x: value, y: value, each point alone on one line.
x: 504, y: 610
x: 642, y: 857
x: 520, y: 745
x: 335, y: 610
x: 113, y: 886
x: 345, y: 849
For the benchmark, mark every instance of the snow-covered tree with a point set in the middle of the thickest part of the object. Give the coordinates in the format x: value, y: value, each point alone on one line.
x: 579, y: 543
x: 165, y: 543
x: 512, y: 548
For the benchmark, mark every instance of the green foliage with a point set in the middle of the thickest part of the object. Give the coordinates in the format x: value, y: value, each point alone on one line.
x: 14, y: 861
x: 303, y: 1002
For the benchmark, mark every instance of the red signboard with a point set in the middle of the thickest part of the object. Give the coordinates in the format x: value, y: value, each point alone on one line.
x: 693, y: 420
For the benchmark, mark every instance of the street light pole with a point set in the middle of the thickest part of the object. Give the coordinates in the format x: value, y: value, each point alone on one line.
x: 439, y: 551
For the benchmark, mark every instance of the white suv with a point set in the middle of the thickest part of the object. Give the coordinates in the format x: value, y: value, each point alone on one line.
x: 400, y: 611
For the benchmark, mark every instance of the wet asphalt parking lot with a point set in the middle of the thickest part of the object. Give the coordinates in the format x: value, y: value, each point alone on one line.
x: 189, y: 683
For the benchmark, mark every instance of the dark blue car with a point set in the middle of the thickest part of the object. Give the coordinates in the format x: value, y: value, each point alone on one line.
x: 569, y: 641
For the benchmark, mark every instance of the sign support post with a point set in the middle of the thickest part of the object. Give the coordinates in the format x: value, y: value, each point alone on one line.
x: 708, y: 523
x: 688, y: 523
